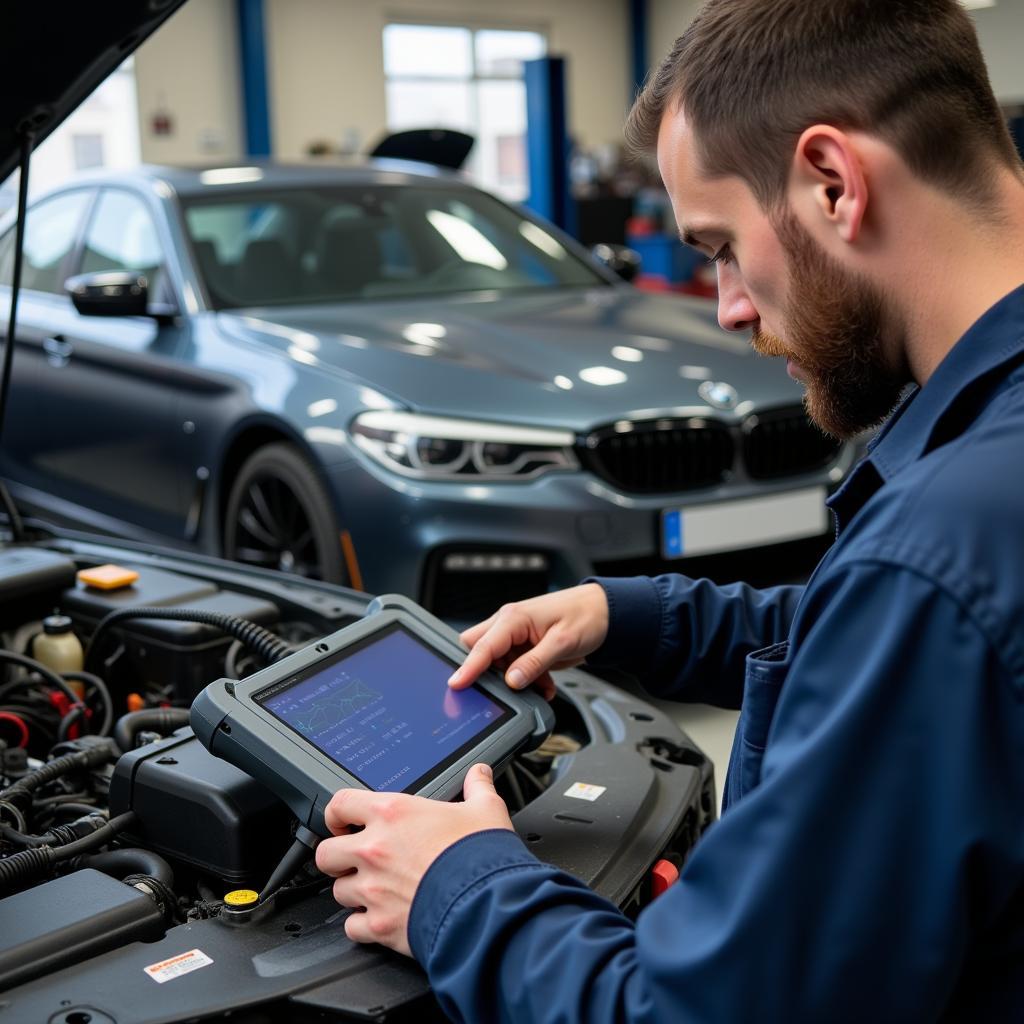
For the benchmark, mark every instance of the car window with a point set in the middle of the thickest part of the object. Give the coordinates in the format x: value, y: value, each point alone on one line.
x: 371, y: 242
x: 122, y: 236
x: 50, y: 230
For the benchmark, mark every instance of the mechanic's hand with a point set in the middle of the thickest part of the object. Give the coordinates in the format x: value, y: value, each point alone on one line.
x: 529, y: 639
x: 379, y: 868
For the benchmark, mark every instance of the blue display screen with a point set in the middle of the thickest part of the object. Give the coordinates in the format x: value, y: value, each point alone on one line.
x: 384, y: 712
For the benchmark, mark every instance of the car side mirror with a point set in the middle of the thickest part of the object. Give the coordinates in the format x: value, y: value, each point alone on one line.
x: 621, y: 259
x: 113, y: 293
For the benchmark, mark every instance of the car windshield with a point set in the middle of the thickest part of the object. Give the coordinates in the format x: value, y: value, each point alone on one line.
x: 371, y: 242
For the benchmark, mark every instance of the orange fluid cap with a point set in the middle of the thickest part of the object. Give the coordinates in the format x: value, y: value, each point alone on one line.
x: 108, y: 577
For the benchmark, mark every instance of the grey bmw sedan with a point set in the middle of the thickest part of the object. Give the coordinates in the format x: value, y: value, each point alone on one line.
x: 385, y: 376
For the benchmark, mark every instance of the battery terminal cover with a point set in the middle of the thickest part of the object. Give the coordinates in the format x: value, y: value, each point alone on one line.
x: 107, y: 577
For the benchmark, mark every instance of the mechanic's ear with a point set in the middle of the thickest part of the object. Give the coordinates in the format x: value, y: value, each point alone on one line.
x: 828, y: 183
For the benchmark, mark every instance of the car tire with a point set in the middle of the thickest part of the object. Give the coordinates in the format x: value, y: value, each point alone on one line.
x: 280, y: 516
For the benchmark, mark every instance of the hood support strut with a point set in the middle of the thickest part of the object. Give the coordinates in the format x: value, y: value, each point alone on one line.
x: 27, y: 141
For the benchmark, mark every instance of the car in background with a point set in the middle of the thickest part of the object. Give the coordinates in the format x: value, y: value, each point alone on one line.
x: 384, y: 376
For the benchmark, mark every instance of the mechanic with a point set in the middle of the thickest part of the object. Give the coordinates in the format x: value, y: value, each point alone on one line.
x: 847, y: 166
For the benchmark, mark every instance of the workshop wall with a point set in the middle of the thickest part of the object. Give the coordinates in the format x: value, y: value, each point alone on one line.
x: 666, y: 21
x: 325, y: 70
x: 189, y: 94
x: 327, y: 64
x: 1001, y: 29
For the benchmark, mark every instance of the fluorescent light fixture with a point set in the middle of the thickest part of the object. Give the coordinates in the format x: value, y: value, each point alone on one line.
x: 230, y: 175
x: 466, y: 240
x: 974, y: 5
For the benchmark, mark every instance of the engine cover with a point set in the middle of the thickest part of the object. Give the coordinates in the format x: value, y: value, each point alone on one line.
x: 195, y: 808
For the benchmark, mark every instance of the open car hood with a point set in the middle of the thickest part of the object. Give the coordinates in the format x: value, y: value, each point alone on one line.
x: 52, y: 57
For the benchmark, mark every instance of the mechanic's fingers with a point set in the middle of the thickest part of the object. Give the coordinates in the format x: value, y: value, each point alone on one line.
x: 350, y: 807
x: 344, y: 891
x: 535, y: 663
x: 495, y: 643
x: 470, y: 636
x: 545, y: 686
x: 356, y: 927
x: 479, y: 784
x: 334, y: 857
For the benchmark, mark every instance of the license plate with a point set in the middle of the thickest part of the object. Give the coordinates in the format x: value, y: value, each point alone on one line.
x: 748, y: 523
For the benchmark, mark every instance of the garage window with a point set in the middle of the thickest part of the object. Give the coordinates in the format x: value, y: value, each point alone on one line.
x: 469, y: 79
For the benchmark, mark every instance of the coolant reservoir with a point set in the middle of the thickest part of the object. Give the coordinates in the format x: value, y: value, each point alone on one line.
x: 57, y: 647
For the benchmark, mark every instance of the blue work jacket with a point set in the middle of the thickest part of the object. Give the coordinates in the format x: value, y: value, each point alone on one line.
x: 869, y: 865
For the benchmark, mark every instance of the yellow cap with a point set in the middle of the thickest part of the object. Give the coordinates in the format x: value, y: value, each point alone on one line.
x: 241, y: 897
x: 108, y: 577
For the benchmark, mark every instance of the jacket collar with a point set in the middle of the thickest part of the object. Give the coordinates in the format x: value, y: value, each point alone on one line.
x: 995, y: 340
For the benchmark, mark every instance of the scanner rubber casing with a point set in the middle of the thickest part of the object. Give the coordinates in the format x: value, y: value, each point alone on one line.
x: 232, y: 726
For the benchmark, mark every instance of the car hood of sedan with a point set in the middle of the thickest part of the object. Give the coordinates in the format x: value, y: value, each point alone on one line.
x: 54, y: 56
x: 572, y: 358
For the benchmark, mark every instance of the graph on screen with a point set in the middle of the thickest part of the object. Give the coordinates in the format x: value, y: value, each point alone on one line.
x: 324, y: 712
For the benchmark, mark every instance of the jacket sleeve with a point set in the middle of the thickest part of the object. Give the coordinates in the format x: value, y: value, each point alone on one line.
x: 687, y: 639
x: 846, y: 887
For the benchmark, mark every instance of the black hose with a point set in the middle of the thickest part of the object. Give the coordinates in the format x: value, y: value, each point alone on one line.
x: 27, y: 865
x: 73, y: 717
x: 129, y: 861
x: 104, y: 694
x: 161, y: 720
x: 99, y: 838
x: 74, y: 807
x: 59, y: 835
x: 21, y: 792
x: 39, y: 668
x: 260, y: 641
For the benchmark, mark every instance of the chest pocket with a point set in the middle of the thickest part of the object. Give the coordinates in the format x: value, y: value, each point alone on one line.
x: 765, y: 673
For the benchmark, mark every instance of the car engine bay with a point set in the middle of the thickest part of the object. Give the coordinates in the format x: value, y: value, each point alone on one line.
x: 130, y: 856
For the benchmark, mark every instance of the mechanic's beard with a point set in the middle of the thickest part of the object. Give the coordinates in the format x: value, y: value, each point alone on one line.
x: 835, y: 324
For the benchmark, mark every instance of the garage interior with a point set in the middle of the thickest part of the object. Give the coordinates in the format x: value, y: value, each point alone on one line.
x: 283, y: 95
x: 228, y: 82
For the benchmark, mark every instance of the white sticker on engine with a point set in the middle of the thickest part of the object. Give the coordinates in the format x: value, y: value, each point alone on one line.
x: 584, y: 791
x: 183, y: 963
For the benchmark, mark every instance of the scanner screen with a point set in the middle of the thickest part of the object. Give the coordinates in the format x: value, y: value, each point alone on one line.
x: 383, y: 711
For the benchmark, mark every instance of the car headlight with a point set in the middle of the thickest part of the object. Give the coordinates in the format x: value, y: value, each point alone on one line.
x: 438, y: 448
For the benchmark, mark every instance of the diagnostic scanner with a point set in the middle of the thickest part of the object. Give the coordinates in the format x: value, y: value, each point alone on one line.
x: 368, y: 707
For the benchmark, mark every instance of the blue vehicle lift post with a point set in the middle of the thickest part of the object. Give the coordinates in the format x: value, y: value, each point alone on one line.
x: 252, y: 49
x: 638, y: 28
x: 547, y: 141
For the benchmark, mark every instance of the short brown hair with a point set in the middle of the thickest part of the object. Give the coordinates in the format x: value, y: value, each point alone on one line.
x: 752, y: 75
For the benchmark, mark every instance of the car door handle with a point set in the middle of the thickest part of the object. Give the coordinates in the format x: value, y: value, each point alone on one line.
x: 58, y: 350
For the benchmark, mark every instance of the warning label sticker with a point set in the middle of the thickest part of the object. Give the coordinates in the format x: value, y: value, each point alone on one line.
x: 183, y: 963
x: 584, y: 791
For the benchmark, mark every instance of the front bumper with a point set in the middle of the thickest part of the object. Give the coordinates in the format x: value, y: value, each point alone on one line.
x: 404, y: 530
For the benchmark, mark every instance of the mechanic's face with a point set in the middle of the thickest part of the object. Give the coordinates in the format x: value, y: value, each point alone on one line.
x: 775, y: 280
